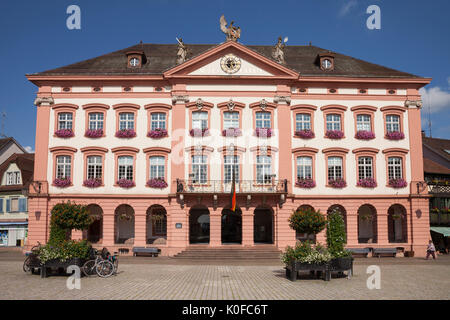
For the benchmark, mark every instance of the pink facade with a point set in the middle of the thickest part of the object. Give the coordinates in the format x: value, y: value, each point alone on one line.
x: 190, y: 207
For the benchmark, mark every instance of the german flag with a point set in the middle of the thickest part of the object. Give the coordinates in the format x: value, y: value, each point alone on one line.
x: 233, y: 193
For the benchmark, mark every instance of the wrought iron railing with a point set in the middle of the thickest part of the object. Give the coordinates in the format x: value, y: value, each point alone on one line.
x: 241, y: 186
x: 438, y: 188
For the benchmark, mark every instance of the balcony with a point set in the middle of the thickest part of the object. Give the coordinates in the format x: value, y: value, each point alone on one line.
x: 271, y: 186
x: 439, y: 187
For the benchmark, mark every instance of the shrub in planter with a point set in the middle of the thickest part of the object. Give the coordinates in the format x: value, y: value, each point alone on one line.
x: 367, y: 183
x: 125, y: 183
x: 306, y: 220
x: 157, y: 183
x: 94, y: 133
x: 64, y: 133
x: 334, y: 134
x: 263, y: 132
x: 126, y: 133
x: 92, y: 183
x: 306, y: 253
x: 157, y: 133
x: 62, y: 182
x: 365, y: 135
x: 199, y: 132
x: 232, y: 132
x: 395, y: 135
x: 305, y: 183
x: 64, y: 251
x: 305, y: 134
x: 337, y: 183
x: 398, y: 183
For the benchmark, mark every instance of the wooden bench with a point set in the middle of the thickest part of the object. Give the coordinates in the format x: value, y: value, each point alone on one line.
x: 378, y: 252
x: 142, y: 250
x: 359, y: 252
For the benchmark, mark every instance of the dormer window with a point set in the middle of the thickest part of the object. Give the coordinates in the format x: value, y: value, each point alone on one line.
x: 326, y: 61
x: 13, y: 178
x: 136, y: 59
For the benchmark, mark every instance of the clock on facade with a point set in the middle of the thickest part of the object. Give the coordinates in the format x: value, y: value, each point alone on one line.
x: 230, y: 63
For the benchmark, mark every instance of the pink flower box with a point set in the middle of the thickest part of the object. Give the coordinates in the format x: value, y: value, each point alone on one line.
x: 126, y: 133
x: 365, y: 135
x: 263, y: 132
x: 395, y: 135
x: 305, y: 183
x: 398, y: 183
x: 199, y: 132
x: 334, y: 134
x: 305, y: 134
x: 94, y: 133
x: 64, y: 133
x: 157, y: 183
x: 62, y: 182
x: 92, y: 183
x: 125, y: 183
x: 157, y: 133
x: 231, y: 132
x: 337, y: 183
x: 367, y: 183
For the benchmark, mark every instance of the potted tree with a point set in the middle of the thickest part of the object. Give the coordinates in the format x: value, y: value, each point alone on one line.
x: 336, y: 239
x: 307, y: 220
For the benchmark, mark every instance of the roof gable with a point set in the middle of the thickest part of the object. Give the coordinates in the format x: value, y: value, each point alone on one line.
x: 253, y: 64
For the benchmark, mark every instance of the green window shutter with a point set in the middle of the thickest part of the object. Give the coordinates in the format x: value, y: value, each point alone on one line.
x: 8, y: 205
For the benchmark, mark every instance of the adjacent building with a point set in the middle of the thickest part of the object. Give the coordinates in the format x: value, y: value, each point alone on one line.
x: 152, y: 140
x: 16, y: 174
x: 9, y: 146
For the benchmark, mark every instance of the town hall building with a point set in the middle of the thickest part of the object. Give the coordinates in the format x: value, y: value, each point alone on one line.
x: 151, y: 138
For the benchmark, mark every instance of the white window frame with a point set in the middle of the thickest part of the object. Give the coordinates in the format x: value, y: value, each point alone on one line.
x: 230, y: 119
x: 263, y: 169
x: 158, y: 120
x: 94, y: 167
x: 63, y: 167
x: 333, y: 122
x: 65, y: 120
x: 96, y: 120
x: 199, y: 169
x: 365, y: 167
x: 395, y: 168
x: 125, y: 167
x: 230, y: 163
x: 200, y: 120
x: 392, y: 123
x: 335, y: 168
x: 126, y: 121
x: 263, y: 120
x: 304, y: 167
x: 302, y: 121
x: 363, y: 122
x: 157, y: 167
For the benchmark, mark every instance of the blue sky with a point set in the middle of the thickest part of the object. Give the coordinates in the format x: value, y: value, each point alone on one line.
x: 413, y: 38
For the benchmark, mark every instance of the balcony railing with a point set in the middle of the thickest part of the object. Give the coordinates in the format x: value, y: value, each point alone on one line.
x: 242, y: 186
x: 438, y: 188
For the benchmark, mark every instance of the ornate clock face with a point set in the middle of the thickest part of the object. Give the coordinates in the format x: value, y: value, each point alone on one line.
x: 230, y: 63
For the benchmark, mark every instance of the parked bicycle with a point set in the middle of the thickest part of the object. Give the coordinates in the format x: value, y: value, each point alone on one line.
x: 104, y: 264
x: 27, y: 264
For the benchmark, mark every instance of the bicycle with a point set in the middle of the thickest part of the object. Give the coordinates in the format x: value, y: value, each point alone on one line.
x: 30, y: 257
x: 104, y: 264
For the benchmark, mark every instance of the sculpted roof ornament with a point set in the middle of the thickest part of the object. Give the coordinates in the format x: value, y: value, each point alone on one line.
x: 278, y: 51
x: 182, y: 51
x: 233, y: 33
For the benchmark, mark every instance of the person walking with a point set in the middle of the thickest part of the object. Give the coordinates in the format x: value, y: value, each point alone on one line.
x: 431, y: 250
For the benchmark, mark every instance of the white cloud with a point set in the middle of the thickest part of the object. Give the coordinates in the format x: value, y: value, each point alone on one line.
x: 347, y: 7
x: 435, y: 98
x: 29, y: 149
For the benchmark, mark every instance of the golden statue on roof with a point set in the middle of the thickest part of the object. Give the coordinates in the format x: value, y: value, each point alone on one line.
x: 233, y: 33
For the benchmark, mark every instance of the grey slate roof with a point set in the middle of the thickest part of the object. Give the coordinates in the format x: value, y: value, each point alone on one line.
x: 162, y: 57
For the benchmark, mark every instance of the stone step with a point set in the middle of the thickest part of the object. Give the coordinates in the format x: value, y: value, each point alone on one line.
x: 264, y: 252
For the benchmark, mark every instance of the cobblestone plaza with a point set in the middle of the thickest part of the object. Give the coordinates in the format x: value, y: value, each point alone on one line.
x: 170, y: 279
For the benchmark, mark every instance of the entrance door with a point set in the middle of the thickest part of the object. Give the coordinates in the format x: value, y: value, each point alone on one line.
x: 231, y: 226
x: 199, y: 225
x: 263, y: 225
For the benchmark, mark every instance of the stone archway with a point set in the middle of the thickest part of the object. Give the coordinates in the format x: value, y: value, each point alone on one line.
x: 231, y: 226
x: 397, y: 224
x: 156, y: 224
x: 124, y: 224
x: 94, y: 233
x: 263, y: 225
x: 367, y: 224
x: 199, y: 224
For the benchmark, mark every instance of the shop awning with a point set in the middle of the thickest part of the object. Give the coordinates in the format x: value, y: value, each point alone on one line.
x: 12, y: 223
x: 445, y: 231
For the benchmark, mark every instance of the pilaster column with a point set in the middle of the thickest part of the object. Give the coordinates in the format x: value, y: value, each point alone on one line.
x: 382, y: 227
x: 247, y: 227
x: 108, y: 228
x: 140, y: 228
x: 178, y: 138
x: 284, y: 136
x: 215, y: 229
x: 352, y: 228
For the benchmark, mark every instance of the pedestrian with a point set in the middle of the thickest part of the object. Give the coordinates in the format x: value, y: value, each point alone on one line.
x: 431, y: 250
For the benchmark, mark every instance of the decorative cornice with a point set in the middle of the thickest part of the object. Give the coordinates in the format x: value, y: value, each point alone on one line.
x: 180, y: 99
x: 62, y: 148
x: 125, y: 149
x: 413, y: 103
x: 157, y: 149
x: 366, y: 149
x: 96, y: 149
x: 335, y: 149
x: 282, y: 99
x: 47, y: 101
